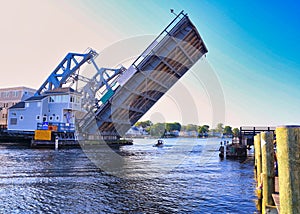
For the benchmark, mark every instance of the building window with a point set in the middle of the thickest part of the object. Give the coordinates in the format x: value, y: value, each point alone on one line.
x: 57, y: 118
x: 13, y: 121
x: 4, y: 116
x: 64, y: 98
x: 72, y: 99
x: 15, y: 93
x: 51, y: 99
x: 50, y: 118
x: 21, y: 117
x: 38, y: 117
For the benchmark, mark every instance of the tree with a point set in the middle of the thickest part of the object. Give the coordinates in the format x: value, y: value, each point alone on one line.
x: 191, y: 127
x: 203, y: 129
x: 158, y: 129
x: 220, y: 128
x: 227, y: 130
x: 143, y: 124
x: 236, y: 132
x: 173, y: 126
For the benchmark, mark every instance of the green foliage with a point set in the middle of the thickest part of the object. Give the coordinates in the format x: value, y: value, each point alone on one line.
x: 220, y: 128
x: 236, y: 132
x: 173, y: 127
x: 158, y: 129
x: 203, y: 129
x: 191, y: 127
x: 144, y: 124
x: 227, y: 130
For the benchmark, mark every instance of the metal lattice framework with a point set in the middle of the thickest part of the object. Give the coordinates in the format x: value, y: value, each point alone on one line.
x: 115, y: 99
x: 152, y: 74
x: 66, y: 68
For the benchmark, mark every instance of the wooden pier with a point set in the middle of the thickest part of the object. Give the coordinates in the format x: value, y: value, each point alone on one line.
x: 278, y: 193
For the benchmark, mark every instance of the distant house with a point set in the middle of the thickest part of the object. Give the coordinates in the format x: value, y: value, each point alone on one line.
x: 188, y: 134
x: 174, y: 133
x: 10, y: 97
x: 204, y: 135
x: 136, y: 132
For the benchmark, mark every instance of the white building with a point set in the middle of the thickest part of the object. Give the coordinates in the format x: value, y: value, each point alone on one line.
x: 54, y: 108
x: 188, y: 133
x: 11, y: 96
x: 136, y: 132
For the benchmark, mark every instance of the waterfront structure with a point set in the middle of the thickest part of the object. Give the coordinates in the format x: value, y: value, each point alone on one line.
x: 247, y: 133
x: 11, y: 96
x: 151, y: 75
x: 277, y: 168
x: 113, y: 99
x: 54, y: 108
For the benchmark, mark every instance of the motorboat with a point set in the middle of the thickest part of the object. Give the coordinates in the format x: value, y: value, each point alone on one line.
x: 160, y: 143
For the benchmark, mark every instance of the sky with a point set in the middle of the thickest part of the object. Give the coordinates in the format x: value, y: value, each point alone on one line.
x: 250, y: 76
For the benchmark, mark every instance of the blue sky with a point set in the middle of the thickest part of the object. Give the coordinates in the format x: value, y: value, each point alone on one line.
x: 253, y: 48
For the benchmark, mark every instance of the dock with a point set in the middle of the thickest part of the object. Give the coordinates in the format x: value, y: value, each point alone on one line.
x: 277, y: 170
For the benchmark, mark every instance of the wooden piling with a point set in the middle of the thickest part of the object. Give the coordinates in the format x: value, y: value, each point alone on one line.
x: 257, y: 151
x: 288, y: 155
x: 257, y: 158
x: 267, y: 163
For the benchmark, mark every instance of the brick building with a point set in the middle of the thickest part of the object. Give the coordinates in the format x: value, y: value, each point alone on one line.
x: 9, y: 97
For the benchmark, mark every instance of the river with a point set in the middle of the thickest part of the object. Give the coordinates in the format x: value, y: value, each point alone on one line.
x: 184, y: 176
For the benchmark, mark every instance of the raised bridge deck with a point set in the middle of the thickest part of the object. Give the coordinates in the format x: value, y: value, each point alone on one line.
x: 152, y: 74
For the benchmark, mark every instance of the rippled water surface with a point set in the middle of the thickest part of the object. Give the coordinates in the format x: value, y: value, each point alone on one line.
x: 184, y: 176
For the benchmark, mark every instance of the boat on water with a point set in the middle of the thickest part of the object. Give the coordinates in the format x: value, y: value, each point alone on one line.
x: 160, y: 143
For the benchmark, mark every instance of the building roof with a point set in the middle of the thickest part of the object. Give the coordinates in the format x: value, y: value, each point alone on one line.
x: 34, y: 98
x: 61, y: 90
x: 18, y: 105
x: 18, y: 88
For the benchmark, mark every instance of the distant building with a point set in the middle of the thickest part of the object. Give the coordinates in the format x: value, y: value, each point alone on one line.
x: 136, y: 132
x: 10, y: 97
x: 55, y: 108
x: 173, y: 133
x: 188, y: 133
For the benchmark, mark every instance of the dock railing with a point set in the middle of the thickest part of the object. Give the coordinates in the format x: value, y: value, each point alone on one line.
x: 58, y: 127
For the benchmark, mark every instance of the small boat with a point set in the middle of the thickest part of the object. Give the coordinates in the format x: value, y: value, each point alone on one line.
x: 160, y: 143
